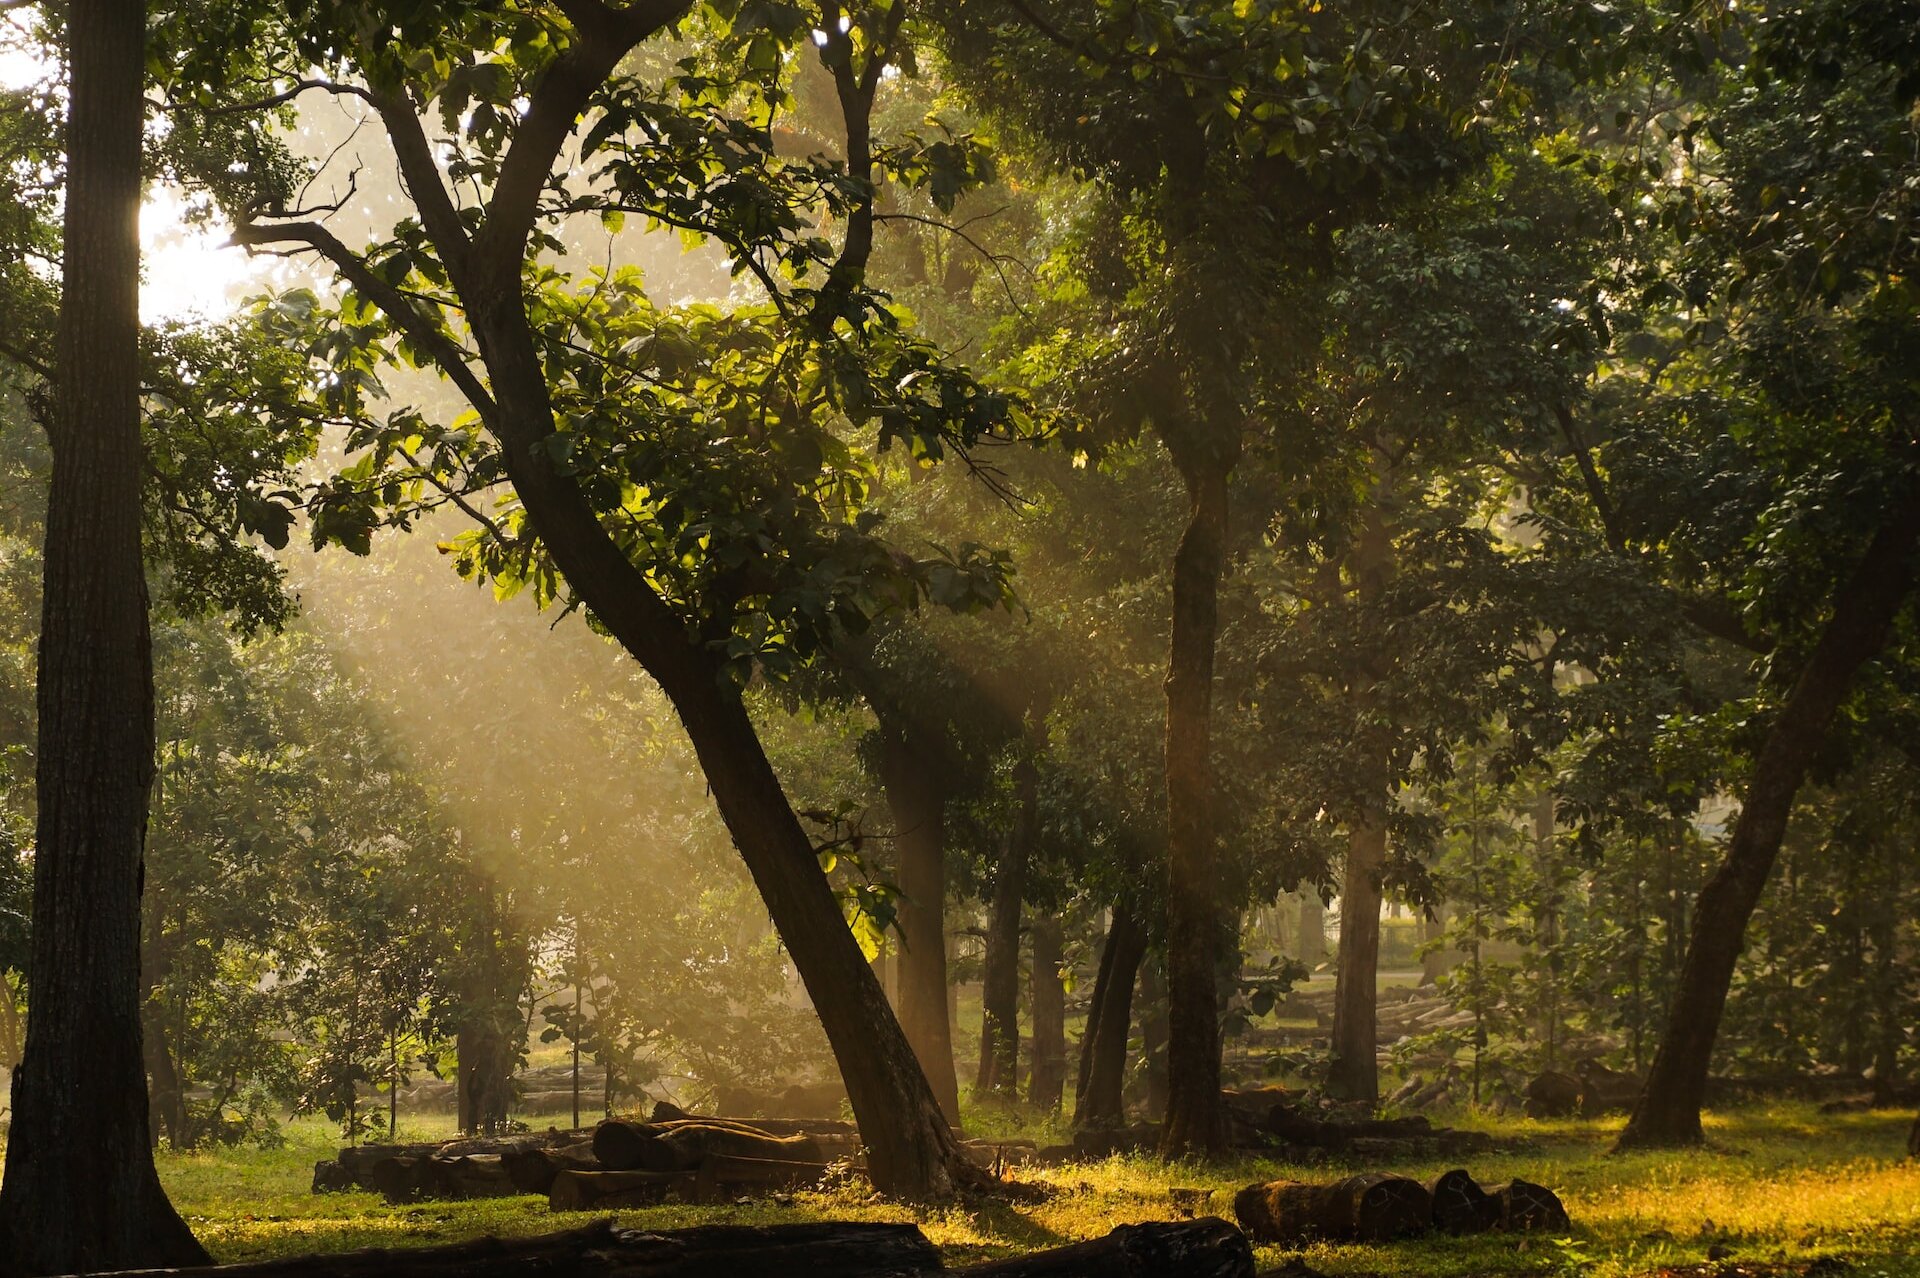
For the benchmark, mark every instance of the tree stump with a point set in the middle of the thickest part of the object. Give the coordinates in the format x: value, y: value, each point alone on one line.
x: 1525, y: 1206
x: 1460, y: 1206
x: 1205, y: 1248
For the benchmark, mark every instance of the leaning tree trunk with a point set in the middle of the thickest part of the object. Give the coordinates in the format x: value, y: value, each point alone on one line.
x: 1048, y: 997
x: 1099, y: 1093
x: 1864, y: 608
x: 1195, y: 1121
x: 80, y: 1190
x: 918, y: 805
x: 911, y: 1150
x: 1354, y: 1073
x: 1000, y: 982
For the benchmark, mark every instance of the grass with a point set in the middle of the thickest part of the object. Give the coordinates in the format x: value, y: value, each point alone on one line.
x: 1781, y: 1184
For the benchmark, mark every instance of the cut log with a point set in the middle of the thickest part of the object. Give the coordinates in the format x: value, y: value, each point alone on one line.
x: 724, y: 1176
x: 409, y: 1178
x: 1460, y: 1206
x: 1384, y: 1206
x: 1204, y: 1248
x: 622, y: 1145
x: 819, y: 1250
x: 664, y: 1113
x: 329, y: 1177
x: 532, y: 1170
x: 1366, y: 1208
x: 1525, y: 1206
x: 1552, y: 1095
x: 1286, y: 1211
x: 606, y: 1190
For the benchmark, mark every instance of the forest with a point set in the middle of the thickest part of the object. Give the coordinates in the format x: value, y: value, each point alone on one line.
x: 1123, y: 638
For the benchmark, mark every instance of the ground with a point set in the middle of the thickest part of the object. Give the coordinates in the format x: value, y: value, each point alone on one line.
x: 1779, y: 1184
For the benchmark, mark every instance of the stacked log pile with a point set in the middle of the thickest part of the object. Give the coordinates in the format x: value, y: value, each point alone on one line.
x: 1208, y: 1248
x: 621, y: 1163
x: 1377, y: 1207
x: 468, y: 1168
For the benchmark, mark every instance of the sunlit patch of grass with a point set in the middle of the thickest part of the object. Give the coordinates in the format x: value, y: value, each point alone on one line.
x: 1777, y: 1184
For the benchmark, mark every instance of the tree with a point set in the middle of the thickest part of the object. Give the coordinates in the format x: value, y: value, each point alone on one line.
x: 1229, y: 171
x: 705, y: 564
x: 1802, y: 268
x: 80, y: 1190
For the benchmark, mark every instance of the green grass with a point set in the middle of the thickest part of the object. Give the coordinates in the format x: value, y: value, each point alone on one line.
x: 1780, y: 1184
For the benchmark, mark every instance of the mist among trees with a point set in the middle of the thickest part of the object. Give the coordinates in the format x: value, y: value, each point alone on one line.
x: 1007, y: 618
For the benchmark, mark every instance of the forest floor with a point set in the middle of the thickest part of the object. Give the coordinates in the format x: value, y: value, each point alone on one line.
x: 1781, y: 1186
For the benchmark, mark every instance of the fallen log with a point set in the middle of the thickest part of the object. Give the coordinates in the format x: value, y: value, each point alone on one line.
x: 532, y: 1170
x: 828, y: 1249
x: 723, y: 1176
x: 606, y: 1190
x: 1460, y: 1205
x: 352, y: 1167
x: 409, y: 1178
x: 1204, y: 1248
x: 1552, y: 1094
x: 1367, y: 1208
x: 1525, y: 1206
x: 665, y: 1112
x: 623, y: 1145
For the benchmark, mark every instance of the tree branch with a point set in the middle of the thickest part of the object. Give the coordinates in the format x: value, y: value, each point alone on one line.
x: 422, y: 175
x: 391, y: 301
x: 602, y: 37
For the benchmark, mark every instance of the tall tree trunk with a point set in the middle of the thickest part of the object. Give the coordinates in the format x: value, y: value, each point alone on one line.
x: 1354, y: 1072
x: 1048, y: 999
x: 1099, y: 1098
x: 1000, y: 982
x: 1154, y: 1038
x: 911, y: 1148
x: 80, y: 1191
x: 917, y: 801
x: 1313, y: 929
x: 166, y: 1101
x: 1434, y: 963
x: 1668, y: 1112
x: 1195, y: 1123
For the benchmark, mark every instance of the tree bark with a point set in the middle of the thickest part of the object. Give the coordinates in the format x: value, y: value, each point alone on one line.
x: 1195, y: 1122
x: 1354, y: 1073
x: 1668, y: 1112
x: 1313, y: 929
x: 80, y: 1190
x: 1048, y: 999
x: 1000, y: 982
x: 1099, y: 1094
x: 918, y: 804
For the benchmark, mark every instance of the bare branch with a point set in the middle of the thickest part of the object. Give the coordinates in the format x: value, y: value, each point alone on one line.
x: 282, y: 98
